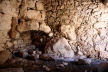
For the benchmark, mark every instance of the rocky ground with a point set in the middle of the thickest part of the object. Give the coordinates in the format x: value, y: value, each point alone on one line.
x: 58, y: 57
x: 46, y: 66
x: 20, y: 62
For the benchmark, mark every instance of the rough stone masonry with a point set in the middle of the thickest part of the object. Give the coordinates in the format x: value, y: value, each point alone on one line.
x: 84, y: 22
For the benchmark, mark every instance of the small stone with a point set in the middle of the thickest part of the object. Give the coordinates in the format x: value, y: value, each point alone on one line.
x: 65, y: 63
x: 46, y: 68
x: 12, y: 70
x: 50, y: 34
x: 61, y: 65
x: 15, y: 42
x: 45, y: 28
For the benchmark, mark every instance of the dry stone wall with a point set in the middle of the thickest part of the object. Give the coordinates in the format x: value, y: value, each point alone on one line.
x: 17, y: 18
x: 84, y: 22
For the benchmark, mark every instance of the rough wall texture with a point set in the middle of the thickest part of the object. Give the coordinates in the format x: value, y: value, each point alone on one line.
x: 84, y: 22
x: 18, y: 17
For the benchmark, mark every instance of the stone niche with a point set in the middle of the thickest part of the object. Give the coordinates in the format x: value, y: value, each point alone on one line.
x: 32, y: 23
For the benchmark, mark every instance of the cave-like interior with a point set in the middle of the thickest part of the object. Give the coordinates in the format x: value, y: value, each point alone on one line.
x: 53, y: 35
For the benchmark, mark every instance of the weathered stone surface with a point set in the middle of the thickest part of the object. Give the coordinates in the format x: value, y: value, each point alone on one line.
x: 104, y: 54
x: 26, y: 26
x: 7, y: 11
x: 69, y: 31
x: 1, y: 48
x: 32, y: 14
x: 4, y: 56
x: 59, y: 47
x: 39, y: 5
x: 44, y: 28
x: 9, y: 44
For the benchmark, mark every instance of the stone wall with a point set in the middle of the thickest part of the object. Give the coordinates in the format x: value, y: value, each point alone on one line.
x: 17, y: 18
x: 84, y: 22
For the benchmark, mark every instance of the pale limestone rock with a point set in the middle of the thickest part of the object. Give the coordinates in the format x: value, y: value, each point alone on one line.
x: 92, y: 20
x: 32, y: 14
x: 9, y: 44
x: 31, y: 4
x: 59, y: 47
x: 104, y: 17
x: 39, y: 5
x: 100, y: 47
x: 1, y: 48
x: 69, y: 31
x: 100, y: 25
x: 44, y: 27
x: 51, y: 34
x: 104, y: 54
x: 26, y: 26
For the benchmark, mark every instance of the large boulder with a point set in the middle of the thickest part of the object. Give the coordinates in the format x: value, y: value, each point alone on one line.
x: 59, y: 47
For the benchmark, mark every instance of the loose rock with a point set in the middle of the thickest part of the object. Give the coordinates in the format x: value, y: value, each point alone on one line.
x: 59, y: 47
